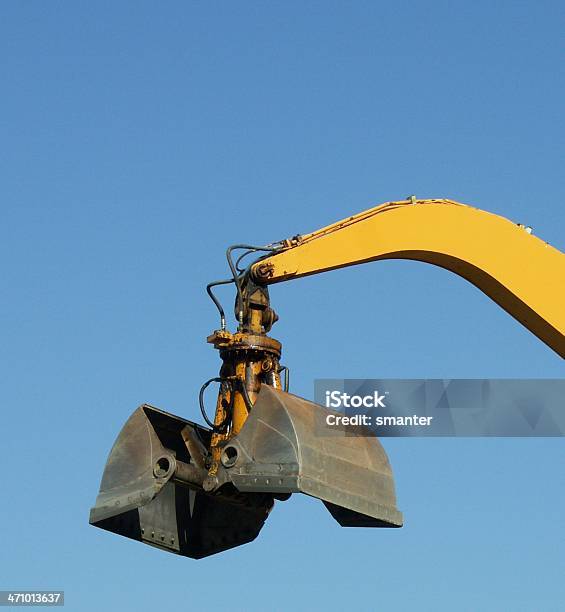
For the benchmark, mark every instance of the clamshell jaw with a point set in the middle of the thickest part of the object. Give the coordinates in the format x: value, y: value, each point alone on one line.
x: 286, y: 446
x: 150, y: 490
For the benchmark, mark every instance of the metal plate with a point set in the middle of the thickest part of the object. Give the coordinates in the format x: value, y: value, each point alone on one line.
x: 135, y: 503
x: 285, y: 446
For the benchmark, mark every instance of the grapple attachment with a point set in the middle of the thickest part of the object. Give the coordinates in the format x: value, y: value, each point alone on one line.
x: 156, y: 488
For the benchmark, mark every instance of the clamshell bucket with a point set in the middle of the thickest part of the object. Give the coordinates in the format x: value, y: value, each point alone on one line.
x: 286, y: 446
x: 156, y: 488
x: 151, y: 490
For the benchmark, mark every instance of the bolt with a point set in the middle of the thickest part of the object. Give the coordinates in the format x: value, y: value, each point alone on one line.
x: 264, y: 271
x: 210, y: 483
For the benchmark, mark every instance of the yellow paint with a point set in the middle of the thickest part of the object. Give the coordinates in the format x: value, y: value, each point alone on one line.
x: 522, y: 273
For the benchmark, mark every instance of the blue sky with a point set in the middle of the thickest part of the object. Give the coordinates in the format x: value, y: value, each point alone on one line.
x: 138, y: 141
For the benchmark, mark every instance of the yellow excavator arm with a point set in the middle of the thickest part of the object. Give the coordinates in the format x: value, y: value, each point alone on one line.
x: 520, y: 272
x: 196, y: 491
